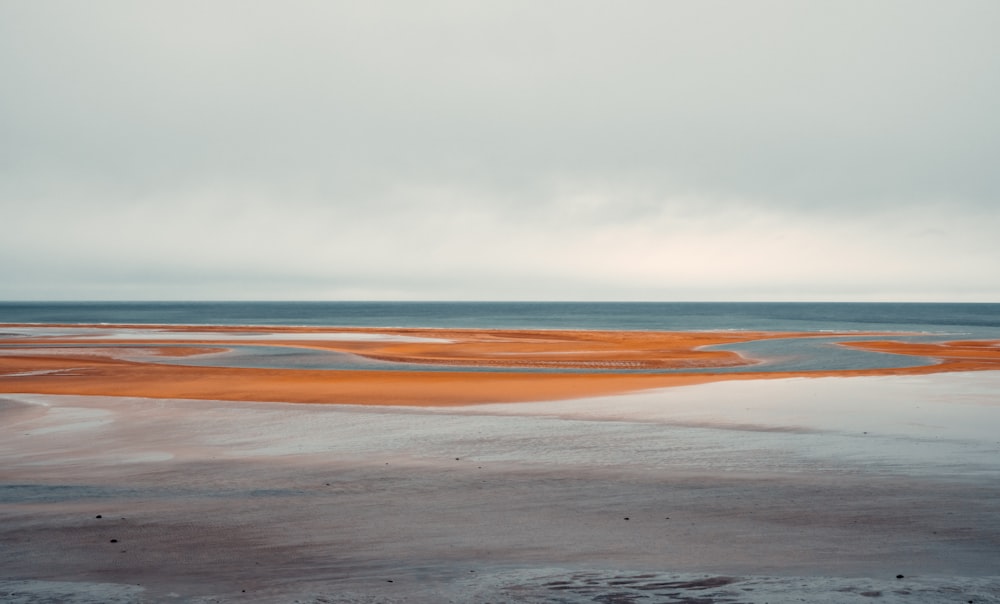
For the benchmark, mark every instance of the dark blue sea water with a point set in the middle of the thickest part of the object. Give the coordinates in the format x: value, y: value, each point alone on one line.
x: 974, y: 320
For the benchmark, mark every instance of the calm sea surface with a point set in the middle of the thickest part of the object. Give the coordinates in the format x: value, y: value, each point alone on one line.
x: 973, y: 320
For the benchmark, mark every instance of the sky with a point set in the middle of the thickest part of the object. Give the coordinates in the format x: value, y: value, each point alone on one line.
x: 840, y: 150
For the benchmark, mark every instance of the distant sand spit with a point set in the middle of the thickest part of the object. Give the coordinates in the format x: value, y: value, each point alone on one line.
x: 120, y: 360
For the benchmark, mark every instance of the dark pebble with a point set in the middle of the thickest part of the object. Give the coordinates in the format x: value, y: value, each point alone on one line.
x: 98, y: 516
x: 114, y: 541
x: 899, y: 576
x: 626, y: 517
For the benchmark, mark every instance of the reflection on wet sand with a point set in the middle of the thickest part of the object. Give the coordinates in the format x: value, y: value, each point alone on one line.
x: 727, y: 492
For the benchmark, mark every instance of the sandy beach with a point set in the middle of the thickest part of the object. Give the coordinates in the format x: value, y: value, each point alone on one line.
x: 128, y: 479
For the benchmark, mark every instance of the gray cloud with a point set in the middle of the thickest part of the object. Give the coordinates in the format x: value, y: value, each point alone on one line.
x: 514, y: 150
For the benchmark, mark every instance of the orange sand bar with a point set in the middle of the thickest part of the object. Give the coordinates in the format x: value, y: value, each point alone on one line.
x: 85, y: 365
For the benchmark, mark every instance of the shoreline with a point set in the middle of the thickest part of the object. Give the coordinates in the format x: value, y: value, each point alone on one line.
x: 35, y: 363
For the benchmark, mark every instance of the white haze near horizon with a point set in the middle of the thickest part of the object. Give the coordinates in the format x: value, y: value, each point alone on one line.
x: 759, y: 150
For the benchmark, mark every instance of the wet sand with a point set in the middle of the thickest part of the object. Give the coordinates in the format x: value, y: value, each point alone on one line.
x: 125, y: 480
x: 727, y: 492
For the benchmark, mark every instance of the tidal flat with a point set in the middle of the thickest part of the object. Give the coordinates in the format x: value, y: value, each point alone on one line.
x: 828, y: 489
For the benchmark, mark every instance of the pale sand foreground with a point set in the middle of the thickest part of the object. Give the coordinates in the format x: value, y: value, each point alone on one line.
x: 786, y: 490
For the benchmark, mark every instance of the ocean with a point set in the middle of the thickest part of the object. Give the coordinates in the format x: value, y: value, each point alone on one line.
x: 947, y: 319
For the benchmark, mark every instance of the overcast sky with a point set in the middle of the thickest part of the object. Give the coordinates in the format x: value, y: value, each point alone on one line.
x: 533, y: 150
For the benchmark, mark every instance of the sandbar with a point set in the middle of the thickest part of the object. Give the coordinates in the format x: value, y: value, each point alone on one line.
x: 86, y: 364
